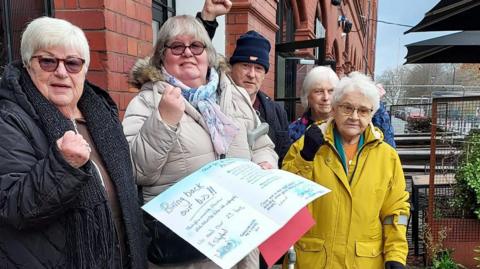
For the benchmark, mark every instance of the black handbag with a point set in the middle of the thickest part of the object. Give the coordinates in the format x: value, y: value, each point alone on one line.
x: 166, y: 247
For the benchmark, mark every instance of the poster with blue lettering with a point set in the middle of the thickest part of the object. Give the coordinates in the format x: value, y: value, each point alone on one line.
x: 229, y: 207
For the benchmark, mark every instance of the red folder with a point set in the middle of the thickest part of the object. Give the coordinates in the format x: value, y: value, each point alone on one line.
x: 278, y: 244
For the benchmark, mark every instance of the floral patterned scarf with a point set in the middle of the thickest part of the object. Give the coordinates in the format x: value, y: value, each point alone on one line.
x: 204, y: 98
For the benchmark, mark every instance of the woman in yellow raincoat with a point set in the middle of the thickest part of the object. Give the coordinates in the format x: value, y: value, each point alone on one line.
x: 362, y: 222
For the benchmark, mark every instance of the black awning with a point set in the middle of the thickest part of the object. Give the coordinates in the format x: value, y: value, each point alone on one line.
x: 463, y: 47
x: 451, y: 15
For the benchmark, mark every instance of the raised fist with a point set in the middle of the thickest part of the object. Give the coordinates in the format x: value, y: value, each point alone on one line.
x: 74, y: 149
x: 313, y: 139
x: 214, y: 8
x: 172, y: 105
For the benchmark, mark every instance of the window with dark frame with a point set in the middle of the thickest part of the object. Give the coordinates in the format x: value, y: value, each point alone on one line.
x: 161, y: 11
x: 319, y: 28
x: 285, y: 75
x: 15, y: 14
x: 285, y: 22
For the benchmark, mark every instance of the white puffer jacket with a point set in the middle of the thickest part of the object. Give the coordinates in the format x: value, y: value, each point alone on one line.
x: 162, y: 156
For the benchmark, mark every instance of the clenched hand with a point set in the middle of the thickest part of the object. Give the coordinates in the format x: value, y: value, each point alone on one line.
x: 172, y: 105
x: 74, y: 149
x: 214, y: 8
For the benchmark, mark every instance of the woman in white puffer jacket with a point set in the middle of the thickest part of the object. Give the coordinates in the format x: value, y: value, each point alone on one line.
x: 187, y: 114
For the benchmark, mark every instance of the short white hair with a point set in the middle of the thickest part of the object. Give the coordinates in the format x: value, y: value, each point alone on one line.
x: 314, y: 76
x: 358, y: 82
x: 46, y: 32
x: 182, y: 25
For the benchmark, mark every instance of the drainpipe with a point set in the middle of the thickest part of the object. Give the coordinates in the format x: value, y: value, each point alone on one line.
x: 366, y: 38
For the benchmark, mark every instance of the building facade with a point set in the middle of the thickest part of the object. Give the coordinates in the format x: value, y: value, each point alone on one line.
x: 339, y: 33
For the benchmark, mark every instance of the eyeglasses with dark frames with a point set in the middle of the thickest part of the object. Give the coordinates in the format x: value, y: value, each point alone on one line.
x: 348, y: 110
x: 50, y: 64
x: 178, y: 48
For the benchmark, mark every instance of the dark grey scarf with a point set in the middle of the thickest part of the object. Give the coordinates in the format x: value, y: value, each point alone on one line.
x: 90, y: 231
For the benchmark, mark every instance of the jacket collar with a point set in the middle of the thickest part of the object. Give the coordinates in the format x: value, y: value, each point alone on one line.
x: 372, y: 137
x: 143, y: 71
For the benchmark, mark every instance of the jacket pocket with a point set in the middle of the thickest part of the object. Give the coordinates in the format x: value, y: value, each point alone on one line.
x: 311, y: 253
x: 369, y: 254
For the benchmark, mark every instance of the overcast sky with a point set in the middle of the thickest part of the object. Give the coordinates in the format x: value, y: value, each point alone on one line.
x: 390, y: 49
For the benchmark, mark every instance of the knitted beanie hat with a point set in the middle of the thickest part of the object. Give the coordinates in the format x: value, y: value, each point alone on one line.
x: 252, y: 47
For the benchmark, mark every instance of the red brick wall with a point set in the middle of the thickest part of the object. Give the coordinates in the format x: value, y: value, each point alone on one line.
x: 258, y: 16
x: 118, y: 32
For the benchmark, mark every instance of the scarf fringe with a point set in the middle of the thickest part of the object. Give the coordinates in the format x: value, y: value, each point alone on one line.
x: 90, y: 246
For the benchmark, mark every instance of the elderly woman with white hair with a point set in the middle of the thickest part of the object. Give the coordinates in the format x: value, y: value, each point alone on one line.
x: 67, y: 193
x: 362, y: 222
x: 187, y: 114
x: 316, y: 92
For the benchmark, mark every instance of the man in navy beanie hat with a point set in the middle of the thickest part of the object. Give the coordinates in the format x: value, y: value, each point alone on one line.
x: 250, y: 63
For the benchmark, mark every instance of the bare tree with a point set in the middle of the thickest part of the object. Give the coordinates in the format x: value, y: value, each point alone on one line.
x: 415, y: 83
x: 392, y: 81
x: 410, y: 83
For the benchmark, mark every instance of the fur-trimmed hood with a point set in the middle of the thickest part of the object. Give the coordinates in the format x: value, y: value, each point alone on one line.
x: 144, y: 71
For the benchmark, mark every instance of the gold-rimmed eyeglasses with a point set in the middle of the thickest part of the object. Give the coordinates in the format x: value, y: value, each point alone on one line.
x: 348, y: 110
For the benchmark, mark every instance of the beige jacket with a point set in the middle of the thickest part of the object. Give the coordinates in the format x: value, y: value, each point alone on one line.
x: 162, y: 156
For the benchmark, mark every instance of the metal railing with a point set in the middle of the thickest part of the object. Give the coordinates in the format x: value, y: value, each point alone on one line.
x: 454, y: 121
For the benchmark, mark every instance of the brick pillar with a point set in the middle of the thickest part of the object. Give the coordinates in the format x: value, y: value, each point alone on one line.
x: 253, y: 15
x: 118, y: 32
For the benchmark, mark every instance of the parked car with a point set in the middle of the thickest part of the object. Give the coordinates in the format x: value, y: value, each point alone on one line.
x: 414, y: 112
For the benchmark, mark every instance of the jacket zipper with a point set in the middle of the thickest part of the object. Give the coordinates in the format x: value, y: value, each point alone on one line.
x: 74, y: 122
x: 358, y: 156
x: 338, y: 208
x: 349, y: 181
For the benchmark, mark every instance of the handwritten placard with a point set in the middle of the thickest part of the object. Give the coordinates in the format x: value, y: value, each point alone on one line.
x: 229, y: 207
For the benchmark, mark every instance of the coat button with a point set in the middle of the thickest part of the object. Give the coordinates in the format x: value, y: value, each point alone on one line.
x: 373, y: 252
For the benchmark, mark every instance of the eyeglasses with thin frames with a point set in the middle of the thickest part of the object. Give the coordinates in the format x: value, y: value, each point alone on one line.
x: 178, y: 48
x: 348, y: 110
x: 50, y: 64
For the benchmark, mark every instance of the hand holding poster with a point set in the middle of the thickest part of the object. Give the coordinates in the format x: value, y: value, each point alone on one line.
x: 230, y: 206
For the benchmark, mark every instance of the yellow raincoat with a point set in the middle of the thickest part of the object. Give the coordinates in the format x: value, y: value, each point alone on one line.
x: 350, y: 231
